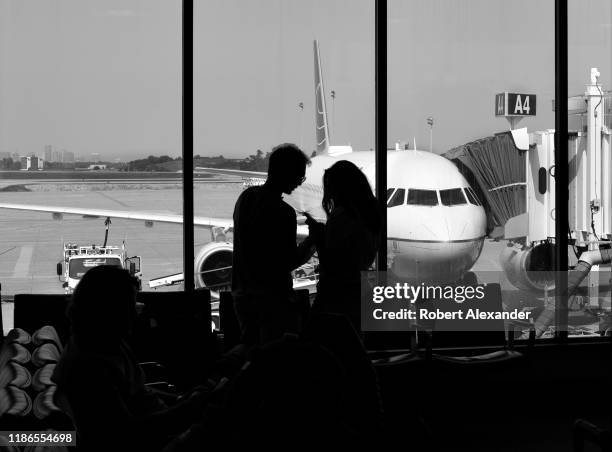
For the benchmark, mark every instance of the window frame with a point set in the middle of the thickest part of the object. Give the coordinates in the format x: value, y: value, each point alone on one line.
x: 381, y: 111
x: 561, y: 147
x: 187, y: 144
x: 562, y: 171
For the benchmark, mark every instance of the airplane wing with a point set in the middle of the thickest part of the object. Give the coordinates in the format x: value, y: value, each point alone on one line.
x: 148, y: 218
x: 232, y: 172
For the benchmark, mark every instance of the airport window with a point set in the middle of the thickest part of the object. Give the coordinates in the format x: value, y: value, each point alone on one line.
x: 136, y: 166
x: 255, y: 87
x: 398, y: 198
x: 422, y: 197
x: 498, y: 150
x: 589, y: 207
x: 452, y: 197
x: 94, y: 130
x: 472, y: 196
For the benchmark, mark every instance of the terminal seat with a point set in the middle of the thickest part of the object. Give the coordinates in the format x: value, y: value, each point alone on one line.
x: 586, y: 432
x: 33, y: 311
x: 474, y: 368
x: 47, y: 334
x: 174, y: 330
x: 26, y: 401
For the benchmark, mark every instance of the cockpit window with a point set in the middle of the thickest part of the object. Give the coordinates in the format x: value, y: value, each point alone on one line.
x: 471, y: 196
x: 422, y: 197
x: 389, y: 192
x: 452, y: 197
x: 398, y: 198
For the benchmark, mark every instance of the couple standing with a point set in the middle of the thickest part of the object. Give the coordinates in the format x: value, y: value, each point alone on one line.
x: 266, y: 249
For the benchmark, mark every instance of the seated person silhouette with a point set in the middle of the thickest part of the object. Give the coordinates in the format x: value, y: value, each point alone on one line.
x: 98, y: 378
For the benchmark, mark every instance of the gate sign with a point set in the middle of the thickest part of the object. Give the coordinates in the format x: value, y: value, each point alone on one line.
x: 514, y: 104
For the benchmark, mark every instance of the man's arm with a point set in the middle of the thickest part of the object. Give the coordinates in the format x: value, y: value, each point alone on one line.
x: 304, y: 251
x: 297, y: 254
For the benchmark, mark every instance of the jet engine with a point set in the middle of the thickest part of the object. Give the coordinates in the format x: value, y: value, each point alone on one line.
x: 530, y: 268
x: 213, y: 267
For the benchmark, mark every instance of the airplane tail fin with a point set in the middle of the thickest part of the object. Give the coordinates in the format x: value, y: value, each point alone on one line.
x: 320, y: 109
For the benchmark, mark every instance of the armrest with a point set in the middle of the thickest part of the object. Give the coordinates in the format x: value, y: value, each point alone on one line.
x: 154, y: 371
x: 585, y: 431
x: 164, y: 390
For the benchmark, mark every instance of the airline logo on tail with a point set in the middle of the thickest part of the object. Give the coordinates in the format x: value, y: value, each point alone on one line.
x: 323, y: 143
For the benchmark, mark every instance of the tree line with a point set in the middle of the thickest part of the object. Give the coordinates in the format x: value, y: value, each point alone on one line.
x: 254, y: 162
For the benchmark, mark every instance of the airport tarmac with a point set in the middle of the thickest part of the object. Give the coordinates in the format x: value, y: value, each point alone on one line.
x: 37, y: 184
x: 31, y: 243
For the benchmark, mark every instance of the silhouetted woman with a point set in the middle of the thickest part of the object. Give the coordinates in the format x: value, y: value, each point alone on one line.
x: 348, y: 242
x: 346, y: 246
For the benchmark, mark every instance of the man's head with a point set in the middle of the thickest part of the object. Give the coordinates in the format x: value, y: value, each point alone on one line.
x: 287, y: 167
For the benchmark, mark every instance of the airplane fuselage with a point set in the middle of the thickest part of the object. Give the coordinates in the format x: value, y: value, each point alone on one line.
x: 435, y: 229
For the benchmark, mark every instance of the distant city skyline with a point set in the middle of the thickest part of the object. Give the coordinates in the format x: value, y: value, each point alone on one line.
x: 103, y: 76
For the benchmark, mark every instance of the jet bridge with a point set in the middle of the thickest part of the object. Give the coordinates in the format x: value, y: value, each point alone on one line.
x: 515, y: 172
x: 495, y: 167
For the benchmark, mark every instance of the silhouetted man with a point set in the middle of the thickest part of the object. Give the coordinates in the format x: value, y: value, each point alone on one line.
x: 266, y: 250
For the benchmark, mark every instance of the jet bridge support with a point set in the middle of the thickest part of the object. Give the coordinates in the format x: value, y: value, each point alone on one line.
x: 590, y: 196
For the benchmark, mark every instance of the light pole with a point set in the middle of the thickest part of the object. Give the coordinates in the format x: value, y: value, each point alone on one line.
x: 301, y: 107
x: 333, y: 96
x: 430, y: 121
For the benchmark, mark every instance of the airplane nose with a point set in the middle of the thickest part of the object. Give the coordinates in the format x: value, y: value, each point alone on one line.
x: 447, y: 229
x: 457, y: 228
x: 435, y: 262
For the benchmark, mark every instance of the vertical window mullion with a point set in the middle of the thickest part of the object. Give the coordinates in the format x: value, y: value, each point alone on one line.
x: 187, y: 140
x: 561, y: 169
x: 380, y: 86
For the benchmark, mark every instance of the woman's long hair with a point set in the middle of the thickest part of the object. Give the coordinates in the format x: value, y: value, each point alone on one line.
x: 344, y: 185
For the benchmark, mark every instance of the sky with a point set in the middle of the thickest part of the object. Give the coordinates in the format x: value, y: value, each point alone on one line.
x: 104, y: 76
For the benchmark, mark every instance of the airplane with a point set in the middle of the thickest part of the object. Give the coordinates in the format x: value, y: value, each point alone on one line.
x: 436, y: 224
